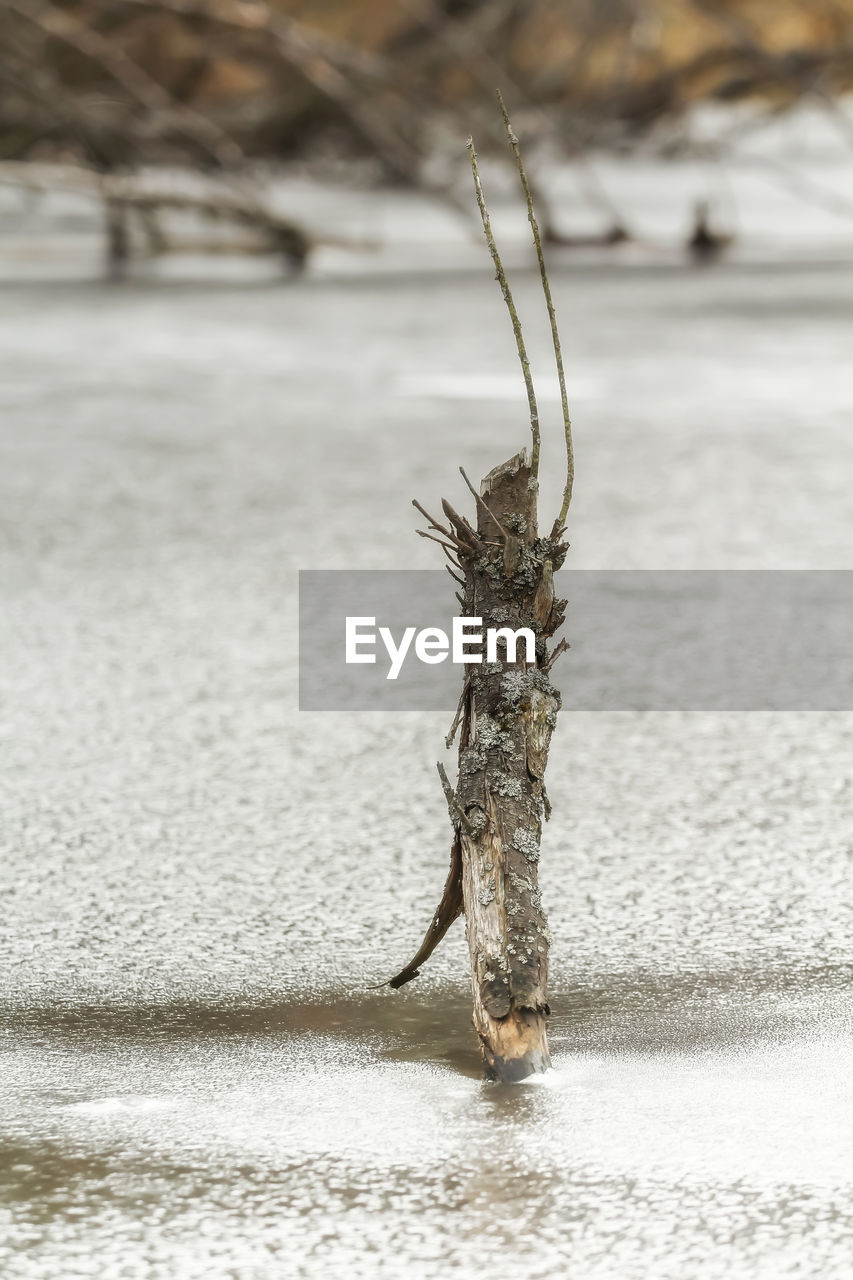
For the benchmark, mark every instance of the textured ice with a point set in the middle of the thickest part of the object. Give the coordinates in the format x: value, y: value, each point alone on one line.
x: 199, y: 884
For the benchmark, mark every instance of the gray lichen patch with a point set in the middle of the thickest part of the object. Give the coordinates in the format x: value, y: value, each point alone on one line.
x: 526, y: 841
x: 472, y: 760
x: 506, y: 785
x: 534, y: 805
x: 490, y: 735
x: 542, y: 681
x: 520, y: 882
x: 516, y: 686
x: 476, y: 819
x: 526, y: 572
x: 486, y: 896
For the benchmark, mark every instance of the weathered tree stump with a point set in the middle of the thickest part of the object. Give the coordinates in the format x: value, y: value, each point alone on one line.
x: 505, y: 719
x: 509, y: 715
x: 508, y: 712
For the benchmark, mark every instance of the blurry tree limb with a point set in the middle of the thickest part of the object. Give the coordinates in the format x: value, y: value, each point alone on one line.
x: 128, y: 75
x: 319, y: 62
x: 464, y: 38
x: 148, y: 194
x: 796, y: 182
x: 285, y: 33
x: 123, y: 101
x: 804, y: 74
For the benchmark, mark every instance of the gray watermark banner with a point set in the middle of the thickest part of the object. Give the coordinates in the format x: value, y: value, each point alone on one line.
x: 647, y: 640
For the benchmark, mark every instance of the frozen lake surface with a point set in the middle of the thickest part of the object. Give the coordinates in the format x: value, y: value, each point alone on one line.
x: 200, y: 885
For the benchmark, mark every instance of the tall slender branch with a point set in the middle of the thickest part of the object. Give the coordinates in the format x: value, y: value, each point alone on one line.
x: 552, y: 316
x: 513, y: 314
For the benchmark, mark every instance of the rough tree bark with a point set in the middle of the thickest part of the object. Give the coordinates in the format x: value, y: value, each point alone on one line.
x: 505, y: 719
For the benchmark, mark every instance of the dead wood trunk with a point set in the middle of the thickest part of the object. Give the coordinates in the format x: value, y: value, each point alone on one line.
x: 509, y: 709
x: 506, y: 716
x: 509, y: 714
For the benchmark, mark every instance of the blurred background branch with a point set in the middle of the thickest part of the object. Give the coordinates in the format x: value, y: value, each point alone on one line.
x: 390, y: 87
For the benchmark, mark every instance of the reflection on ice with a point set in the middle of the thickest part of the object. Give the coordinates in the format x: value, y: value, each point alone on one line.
x: 332, y: 1145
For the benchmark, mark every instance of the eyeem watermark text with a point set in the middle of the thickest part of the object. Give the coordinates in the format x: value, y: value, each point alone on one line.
x: 433, y: 645
x: 641, y: 640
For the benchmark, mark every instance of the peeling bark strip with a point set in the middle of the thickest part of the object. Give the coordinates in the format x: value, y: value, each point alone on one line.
x: 505, y: 719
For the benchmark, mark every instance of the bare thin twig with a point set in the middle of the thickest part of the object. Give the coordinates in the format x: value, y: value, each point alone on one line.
x: 440, y: 528
x: 555, y: 653
x: 457, y: 813
x: 482, y: 501
x: 552, y: 316
x: 513, y: 314
x: 458, y: 522
x: 422, y: 533
x: 457, y: 719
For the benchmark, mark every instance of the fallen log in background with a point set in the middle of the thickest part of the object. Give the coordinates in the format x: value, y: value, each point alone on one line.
x: 147, y: 196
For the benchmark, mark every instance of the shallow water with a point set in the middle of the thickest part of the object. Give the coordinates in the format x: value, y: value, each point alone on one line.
x: 200, y: 884
x: 355, y: 1138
